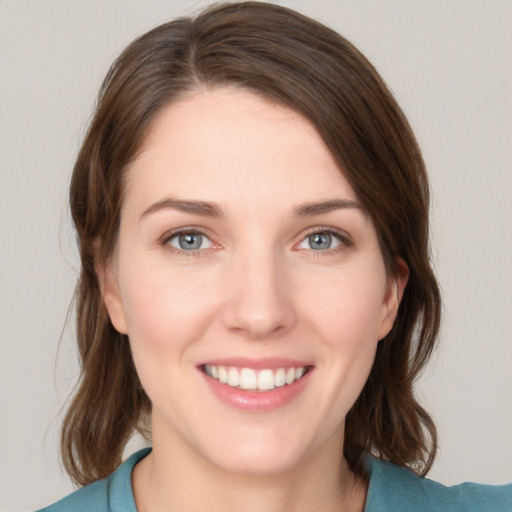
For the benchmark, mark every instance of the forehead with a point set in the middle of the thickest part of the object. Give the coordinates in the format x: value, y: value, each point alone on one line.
x: 230, y: 145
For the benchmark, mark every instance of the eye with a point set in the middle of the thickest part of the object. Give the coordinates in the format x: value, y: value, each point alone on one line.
x: 189, y: 241
x: 323, y: 241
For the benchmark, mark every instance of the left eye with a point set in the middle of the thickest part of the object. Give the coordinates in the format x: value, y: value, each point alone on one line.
x: 321, y: 241
x: 191, y: 241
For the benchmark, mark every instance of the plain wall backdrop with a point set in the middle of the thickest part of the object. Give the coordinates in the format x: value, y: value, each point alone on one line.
x: 449, y: 64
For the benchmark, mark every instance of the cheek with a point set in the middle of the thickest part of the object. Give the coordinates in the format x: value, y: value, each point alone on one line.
x: 347, y: 318
x: 166, y: 314
x: 348, y: 305
x: 165, y: 308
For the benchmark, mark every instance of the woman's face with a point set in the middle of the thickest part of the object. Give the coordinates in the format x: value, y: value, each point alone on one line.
x: 244, y: 256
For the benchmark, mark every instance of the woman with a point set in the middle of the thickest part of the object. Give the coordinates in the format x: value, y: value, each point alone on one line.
x: 256, y: 292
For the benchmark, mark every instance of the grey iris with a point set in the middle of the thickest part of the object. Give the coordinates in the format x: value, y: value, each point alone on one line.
x: 190, y: 241
x: 320, y: 241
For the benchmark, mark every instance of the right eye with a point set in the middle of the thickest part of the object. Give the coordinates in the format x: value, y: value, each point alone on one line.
x: 189, y: 241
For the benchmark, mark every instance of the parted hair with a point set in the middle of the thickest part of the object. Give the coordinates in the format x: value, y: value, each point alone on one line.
x: 294, y: 61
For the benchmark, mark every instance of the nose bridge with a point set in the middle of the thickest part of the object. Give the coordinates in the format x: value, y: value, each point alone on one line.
x: 259, y: 304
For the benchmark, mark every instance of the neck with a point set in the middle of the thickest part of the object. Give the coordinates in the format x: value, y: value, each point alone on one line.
x: 173, y: 477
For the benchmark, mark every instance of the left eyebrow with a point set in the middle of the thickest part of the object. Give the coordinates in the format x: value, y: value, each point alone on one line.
x: 309, y: 209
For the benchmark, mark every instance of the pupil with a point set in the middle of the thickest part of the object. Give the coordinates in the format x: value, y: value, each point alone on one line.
x: 320, y: 241
x: 190, y: 241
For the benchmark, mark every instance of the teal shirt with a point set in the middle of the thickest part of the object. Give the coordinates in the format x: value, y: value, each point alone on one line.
x: 392, y: 489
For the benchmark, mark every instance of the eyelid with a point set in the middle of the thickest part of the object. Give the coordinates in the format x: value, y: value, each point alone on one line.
x: 168, y: 235
x: 343, y: 237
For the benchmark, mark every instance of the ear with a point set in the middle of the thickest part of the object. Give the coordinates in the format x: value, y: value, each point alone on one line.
x: 395, y: 290
x: 107, y: 277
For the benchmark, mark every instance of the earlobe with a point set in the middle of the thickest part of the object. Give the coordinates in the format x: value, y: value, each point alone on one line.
x: 111, y: 296
x: 394, y: 294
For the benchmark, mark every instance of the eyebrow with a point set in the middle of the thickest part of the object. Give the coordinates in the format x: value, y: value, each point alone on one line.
x: 310, y: 209
x: 203, y: 208
x: 208, y: 209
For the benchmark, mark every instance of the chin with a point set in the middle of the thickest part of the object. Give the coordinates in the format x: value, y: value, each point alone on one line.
x: 269, y: 452
x: 257, y: 462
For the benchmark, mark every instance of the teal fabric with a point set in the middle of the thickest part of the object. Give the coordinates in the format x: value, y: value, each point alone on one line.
x: 392, y: 489
x: 111, y: 494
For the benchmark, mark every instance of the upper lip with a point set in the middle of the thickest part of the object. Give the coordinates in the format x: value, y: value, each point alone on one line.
x: 272, y: 363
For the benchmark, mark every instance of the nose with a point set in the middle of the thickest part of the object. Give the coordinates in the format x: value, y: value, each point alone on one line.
x: 259, y: 302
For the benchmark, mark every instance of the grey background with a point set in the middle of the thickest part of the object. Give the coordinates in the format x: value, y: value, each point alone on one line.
x: 449, y: 64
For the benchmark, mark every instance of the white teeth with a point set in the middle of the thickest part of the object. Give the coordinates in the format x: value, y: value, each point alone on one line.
x: 290, y: 375
x: 223, y: 374
x: 299, y: 372
x: 266, y: 380
x: 249, y: 379
x: 233, y: 378
x: 280, y: 378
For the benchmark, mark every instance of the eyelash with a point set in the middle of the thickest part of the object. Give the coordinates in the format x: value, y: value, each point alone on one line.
x: 341, y: 236
x: 185, y: 231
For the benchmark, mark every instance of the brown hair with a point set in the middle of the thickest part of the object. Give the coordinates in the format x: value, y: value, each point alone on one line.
x: 293, y: 60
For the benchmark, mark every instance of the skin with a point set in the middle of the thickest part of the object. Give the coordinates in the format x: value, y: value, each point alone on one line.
x: 255, y: 288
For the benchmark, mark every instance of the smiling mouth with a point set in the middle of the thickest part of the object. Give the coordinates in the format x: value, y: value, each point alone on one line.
x: 255, y: 380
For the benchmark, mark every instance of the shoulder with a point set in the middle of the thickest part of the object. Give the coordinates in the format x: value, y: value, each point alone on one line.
x: 111, y: 494
x: 396, y: 489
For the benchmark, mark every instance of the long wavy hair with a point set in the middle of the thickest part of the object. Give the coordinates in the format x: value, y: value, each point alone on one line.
x: 295, y: 61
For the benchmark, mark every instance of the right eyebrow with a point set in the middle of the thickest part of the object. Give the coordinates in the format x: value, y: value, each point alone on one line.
x: 202, y: 208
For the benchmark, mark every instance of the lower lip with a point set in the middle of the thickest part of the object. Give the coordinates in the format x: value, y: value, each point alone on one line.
x: 257, y: 401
